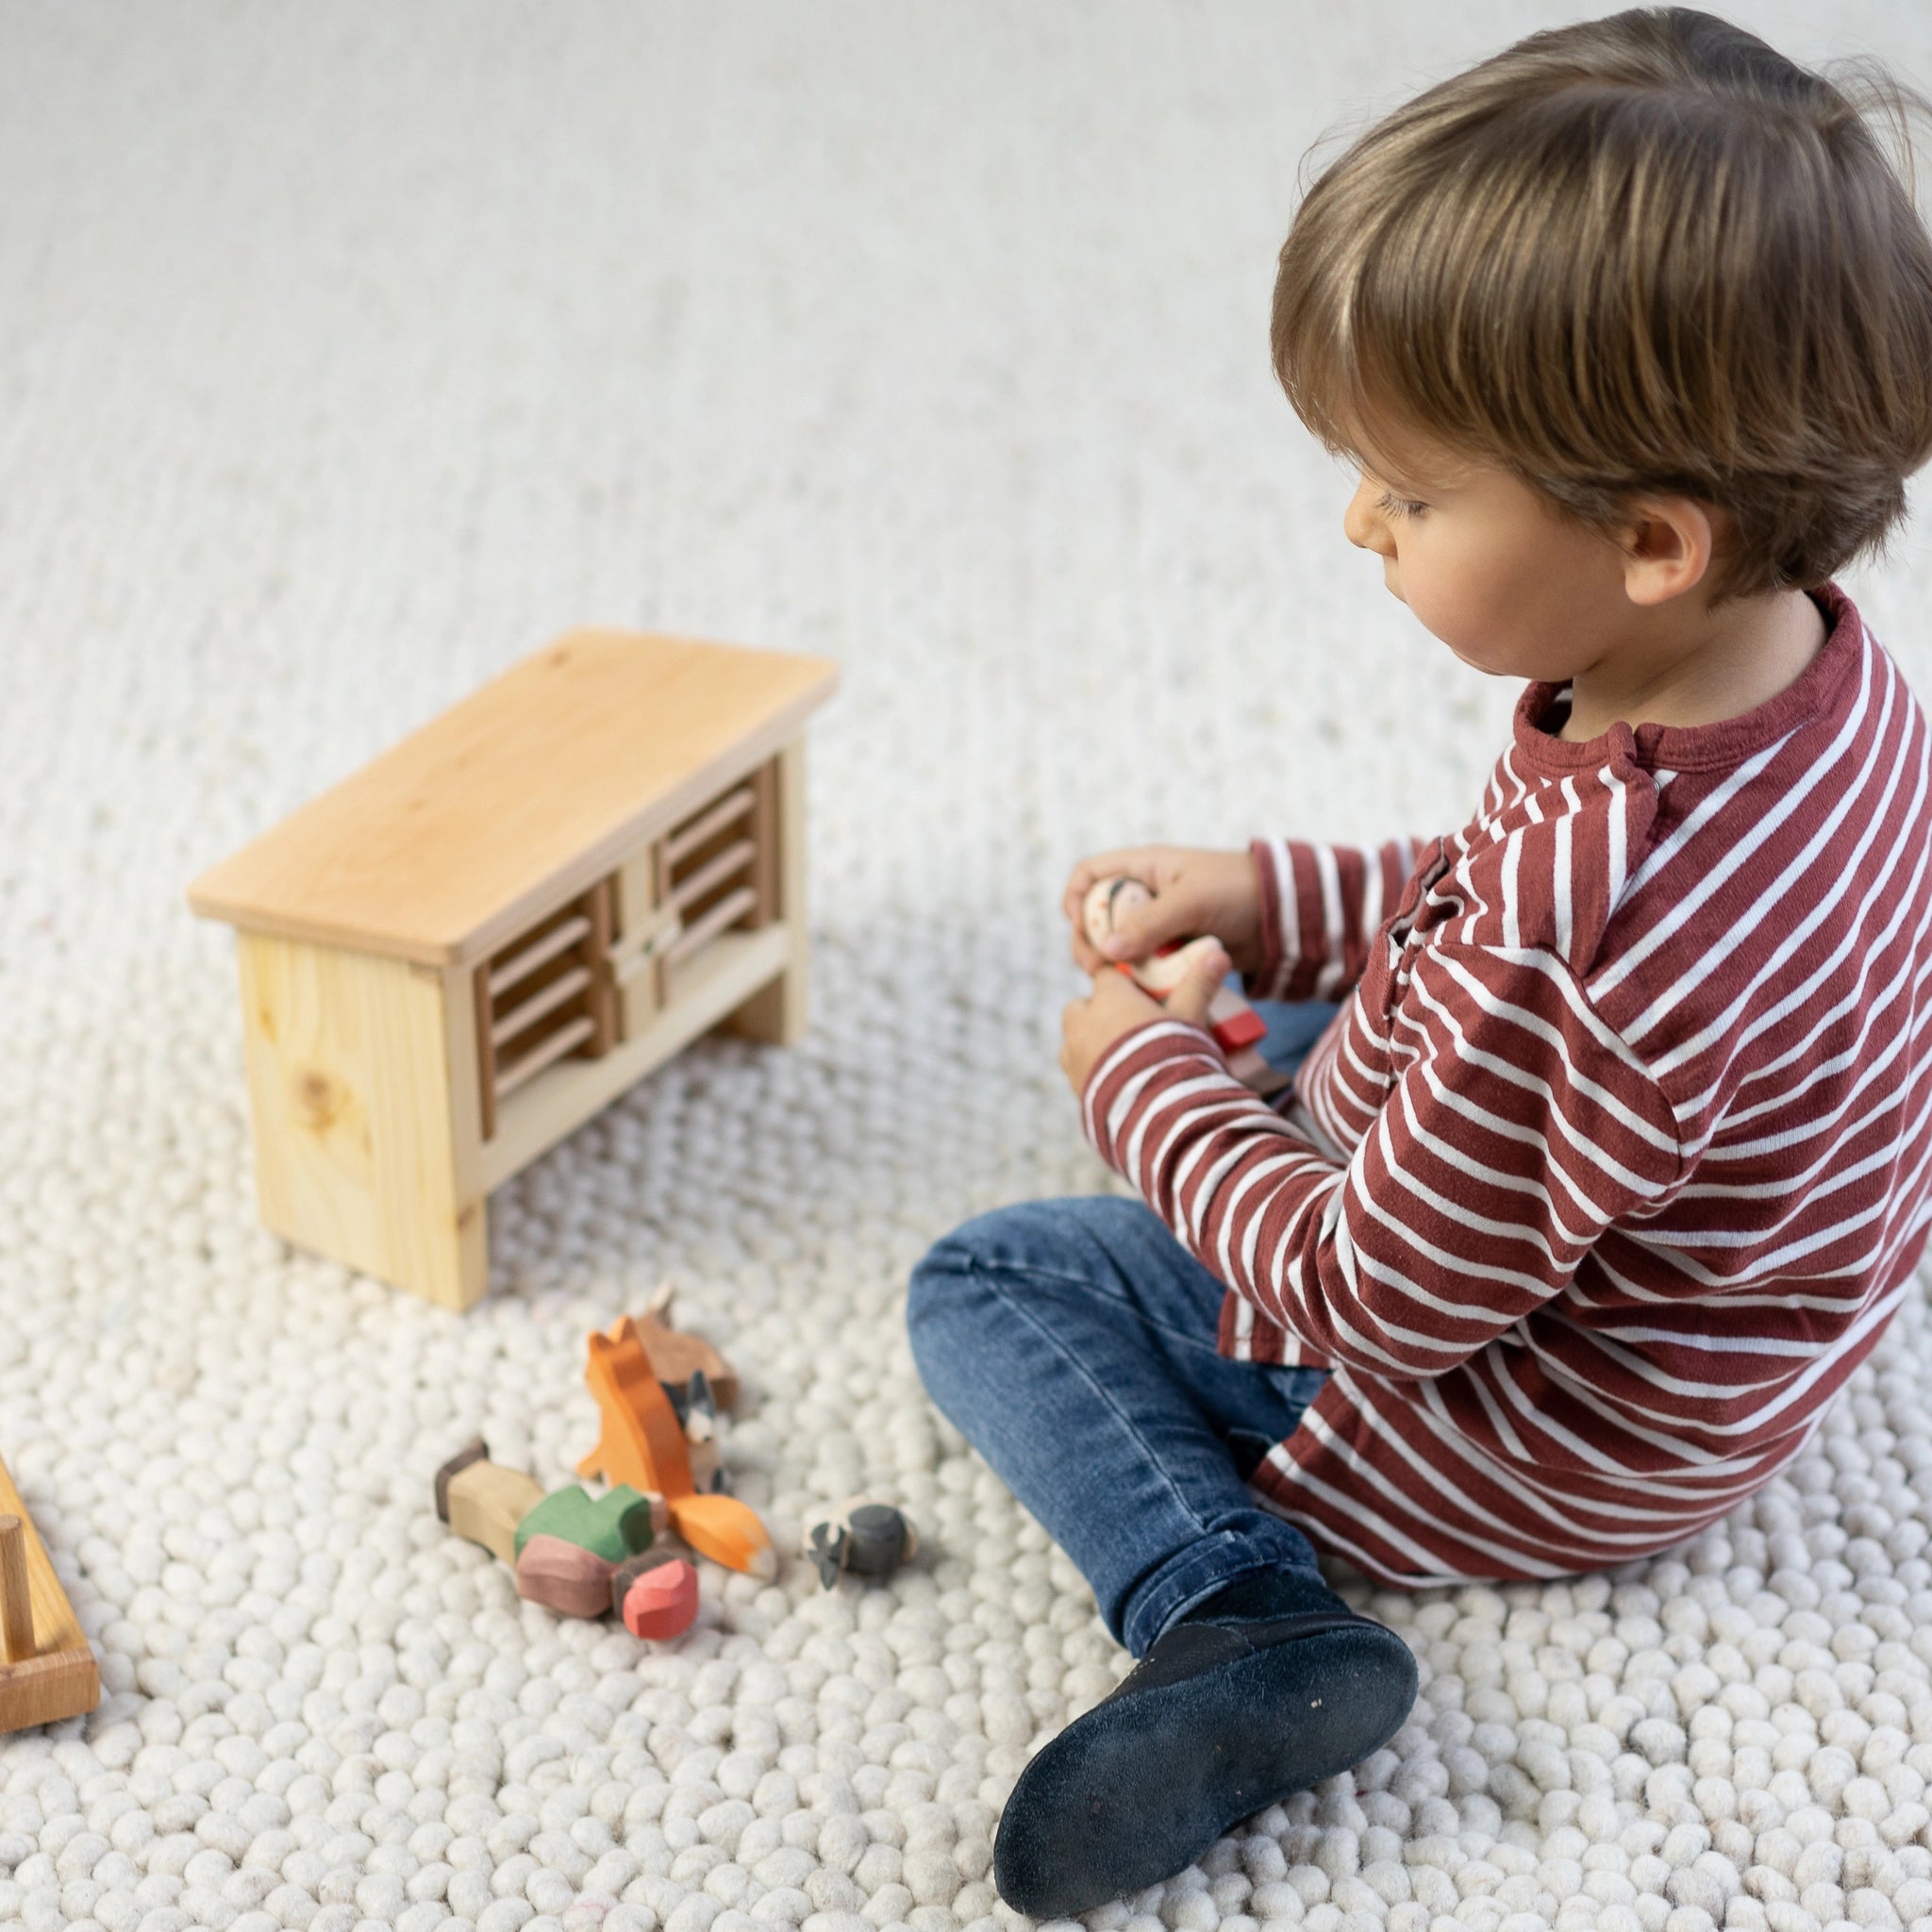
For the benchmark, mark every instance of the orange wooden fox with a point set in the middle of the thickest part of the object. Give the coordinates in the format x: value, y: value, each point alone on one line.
x: 640, y: 1442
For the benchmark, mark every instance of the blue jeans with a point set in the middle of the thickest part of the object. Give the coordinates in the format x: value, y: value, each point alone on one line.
x: 1073, y: 1343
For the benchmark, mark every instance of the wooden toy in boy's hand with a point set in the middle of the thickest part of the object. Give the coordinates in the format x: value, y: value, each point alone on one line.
x: 1234, y: 1024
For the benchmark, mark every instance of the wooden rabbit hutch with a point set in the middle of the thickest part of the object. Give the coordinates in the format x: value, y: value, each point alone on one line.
x: 467, y: 948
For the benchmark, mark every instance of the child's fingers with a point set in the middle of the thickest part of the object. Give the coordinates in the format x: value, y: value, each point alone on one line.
x: 1193, y: 996
x: 1175, y: 915
x: 1080, y: 883
x: 1091, y: 869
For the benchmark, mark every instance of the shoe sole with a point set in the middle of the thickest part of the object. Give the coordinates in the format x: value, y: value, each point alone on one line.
x: 1137, y: 1789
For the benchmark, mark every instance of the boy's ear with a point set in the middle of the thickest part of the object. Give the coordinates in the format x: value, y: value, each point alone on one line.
x: 1667, y: 543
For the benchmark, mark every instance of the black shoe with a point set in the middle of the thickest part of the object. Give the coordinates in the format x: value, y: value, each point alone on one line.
x: 1219, y: 1720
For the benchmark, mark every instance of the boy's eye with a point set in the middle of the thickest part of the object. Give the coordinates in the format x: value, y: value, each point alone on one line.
x: 1393, y: 505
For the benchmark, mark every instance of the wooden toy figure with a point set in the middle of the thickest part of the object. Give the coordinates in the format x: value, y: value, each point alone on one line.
x: 566, y: 1547
x: 676, y: 1357
x: 654, y: 1597
x: 1234, y: 1024
x: 862, y: 1537
x: 483, y: 1502
x: 564, y: 1576
x: 698, y: 1414
x: 616, y: 1526
x: 642, y: 1443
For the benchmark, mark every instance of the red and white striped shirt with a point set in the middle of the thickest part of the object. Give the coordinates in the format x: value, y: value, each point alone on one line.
x: 1614, y: 1164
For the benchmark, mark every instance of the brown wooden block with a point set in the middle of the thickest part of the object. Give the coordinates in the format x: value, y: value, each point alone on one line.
x: 564, y: 1576
x: 676, y: 1356
x: 487, y: 1501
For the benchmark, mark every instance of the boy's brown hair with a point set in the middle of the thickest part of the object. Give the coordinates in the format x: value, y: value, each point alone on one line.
x: 1644, y: 254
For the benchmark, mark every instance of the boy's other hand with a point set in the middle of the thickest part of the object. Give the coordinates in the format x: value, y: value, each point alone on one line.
x: 1116, y: 1005
x: 1196, y: 892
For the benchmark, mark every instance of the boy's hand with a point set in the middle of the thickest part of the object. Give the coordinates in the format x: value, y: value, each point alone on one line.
x: 1195, y: 892
x: 1116, y: 1005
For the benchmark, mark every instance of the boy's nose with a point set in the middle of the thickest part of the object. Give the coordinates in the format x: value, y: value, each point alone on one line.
x: 1363, y: 525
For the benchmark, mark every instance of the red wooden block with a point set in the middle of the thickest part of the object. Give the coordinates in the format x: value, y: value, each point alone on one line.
x: 1239, y: 1030
x: 662, y: 1602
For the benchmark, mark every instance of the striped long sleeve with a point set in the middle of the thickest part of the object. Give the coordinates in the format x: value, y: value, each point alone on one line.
x: 1321, y: 907
x: 1617, y: 1158
x: 1518, y: 1128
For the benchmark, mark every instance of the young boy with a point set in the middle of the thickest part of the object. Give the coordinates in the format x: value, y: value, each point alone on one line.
x: 1613, y: 1163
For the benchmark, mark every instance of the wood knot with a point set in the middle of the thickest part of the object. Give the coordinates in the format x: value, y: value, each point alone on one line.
x: 319, y: 1099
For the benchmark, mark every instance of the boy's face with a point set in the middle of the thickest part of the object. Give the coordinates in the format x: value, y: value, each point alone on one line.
x: 1512, y: 587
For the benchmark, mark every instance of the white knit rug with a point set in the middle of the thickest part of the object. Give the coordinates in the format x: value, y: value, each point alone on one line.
x: 349, y: 352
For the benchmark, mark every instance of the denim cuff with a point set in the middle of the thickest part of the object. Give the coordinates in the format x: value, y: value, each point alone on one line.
x: 1194, y: 1575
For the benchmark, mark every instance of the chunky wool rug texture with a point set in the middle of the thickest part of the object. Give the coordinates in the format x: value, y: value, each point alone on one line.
x: 348, y: 353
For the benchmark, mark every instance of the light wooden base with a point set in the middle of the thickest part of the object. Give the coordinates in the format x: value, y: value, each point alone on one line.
x: 60, y: 1679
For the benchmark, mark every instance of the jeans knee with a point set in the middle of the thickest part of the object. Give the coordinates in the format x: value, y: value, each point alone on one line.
x: 955, y: 1294
x: 952, y: 1296
x: 932, y: 1287
x: 941, y: 1285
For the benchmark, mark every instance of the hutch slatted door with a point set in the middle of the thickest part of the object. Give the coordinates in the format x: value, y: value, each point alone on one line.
x: 467, y: 948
